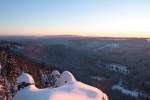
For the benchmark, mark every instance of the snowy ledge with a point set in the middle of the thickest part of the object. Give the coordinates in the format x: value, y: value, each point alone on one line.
x: 71, y: 90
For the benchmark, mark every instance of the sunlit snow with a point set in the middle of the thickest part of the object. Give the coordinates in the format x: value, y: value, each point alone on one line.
x: 71, y: 90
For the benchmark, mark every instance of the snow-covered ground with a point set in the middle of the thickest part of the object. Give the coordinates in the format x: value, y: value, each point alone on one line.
x: 69, y: 89
x: 133, y: 93
x: 118, y: 68
x: 74, y: 91
x: 112, y: 45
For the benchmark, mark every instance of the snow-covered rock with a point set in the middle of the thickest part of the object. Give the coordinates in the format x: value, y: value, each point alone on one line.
x: 65, y: 77
x: 24, y: 77
x: 55, y: 73
x: 73, y: 90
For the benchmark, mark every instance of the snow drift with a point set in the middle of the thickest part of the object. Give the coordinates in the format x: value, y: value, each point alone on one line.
x: 71, y: 90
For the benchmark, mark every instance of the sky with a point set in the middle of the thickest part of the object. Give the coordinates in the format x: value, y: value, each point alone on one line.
x: 112, y: 18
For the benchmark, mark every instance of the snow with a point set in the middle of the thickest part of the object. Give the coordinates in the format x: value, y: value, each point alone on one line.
x: 55, y: 73
x: 126, y: 91
x: 134, y: 93
x: 24, y: 77
x: 118, y: 68
x: 72, y: 90
x: 65, y: 77
x: 112, y: 45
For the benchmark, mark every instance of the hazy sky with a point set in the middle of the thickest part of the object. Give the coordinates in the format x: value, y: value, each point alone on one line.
x: 77, y: 17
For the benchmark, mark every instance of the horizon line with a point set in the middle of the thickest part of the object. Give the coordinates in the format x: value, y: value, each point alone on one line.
x: 66, y: 35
